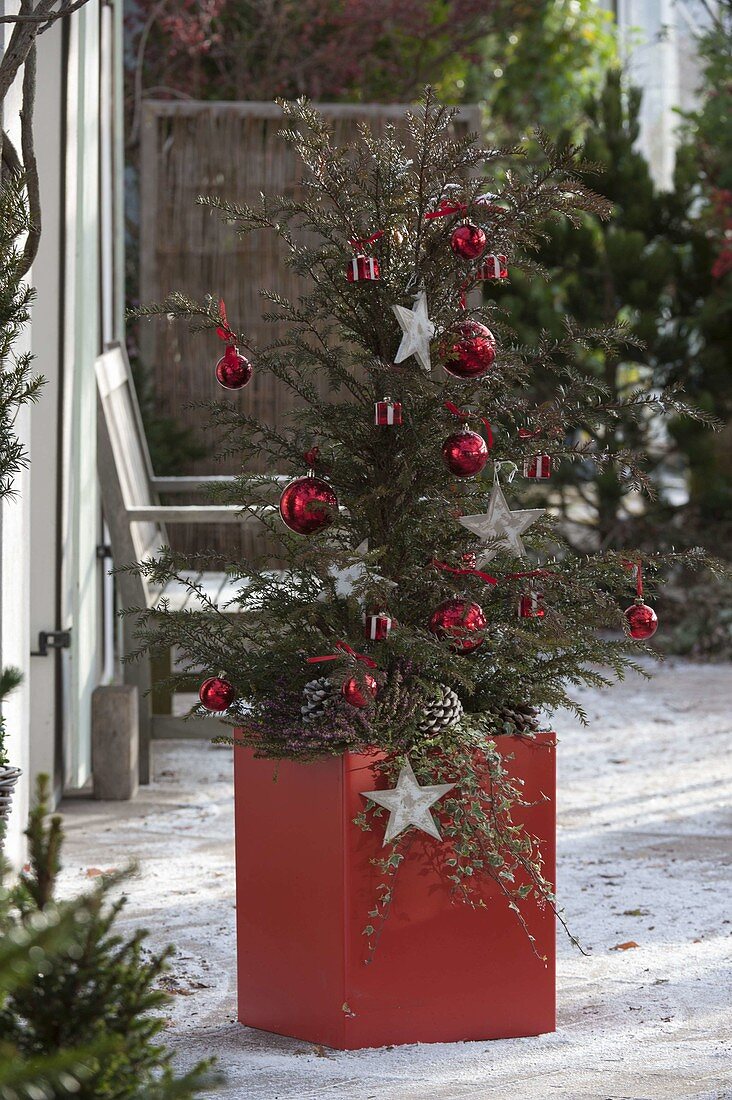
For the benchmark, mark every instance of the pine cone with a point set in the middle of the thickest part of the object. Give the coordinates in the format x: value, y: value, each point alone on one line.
x: 316, y: 696
x: 444, y: 710
x: 516, y: 718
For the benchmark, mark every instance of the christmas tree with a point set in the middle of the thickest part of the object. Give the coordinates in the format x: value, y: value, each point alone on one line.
x: 78, y: 999
x: 422, y: 606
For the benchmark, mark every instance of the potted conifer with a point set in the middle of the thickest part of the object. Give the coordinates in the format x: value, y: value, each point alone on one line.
x: 394, y: 784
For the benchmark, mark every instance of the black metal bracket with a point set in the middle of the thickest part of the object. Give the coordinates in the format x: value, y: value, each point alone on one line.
x: 104, y: 550
x: 51, y: 639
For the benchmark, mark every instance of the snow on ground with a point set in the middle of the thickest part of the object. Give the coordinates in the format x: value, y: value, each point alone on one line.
x: 645, y: 847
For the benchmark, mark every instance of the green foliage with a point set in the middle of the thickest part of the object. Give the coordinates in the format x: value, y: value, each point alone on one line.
x: 18, y: 385
x: 479, y: 823
x: 620, y: 271
x: 543, y: 67
x: 10, y: 679
x: 78, y: 1000
x: 703, y: 307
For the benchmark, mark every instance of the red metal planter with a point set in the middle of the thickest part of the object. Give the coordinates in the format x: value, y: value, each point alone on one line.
x: 442, y: 972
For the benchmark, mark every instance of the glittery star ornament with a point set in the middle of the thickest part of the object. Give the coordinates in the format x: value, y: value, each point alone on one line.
x: 409, y: 804
x: 500, y: 526
x: 418, y: 331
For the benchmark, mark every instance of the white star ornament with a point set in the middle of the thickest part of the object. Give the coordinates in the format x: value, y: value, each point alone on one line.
x: 500, y: 523
x: 409, y: 804
x: 355, y: 573
x: 418, y: 331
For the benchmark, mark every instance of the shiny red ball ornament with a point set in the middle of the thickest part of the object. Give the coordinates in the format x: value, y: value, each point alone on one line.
x: 468, y: 241
x: 469, y: 351
x: 233, y: 371
x: 308, y: 505
x: 465, y: 453
x: 459, y: 620
x: 216, y: 693
x: 352, y: 693
x: 642, y: 620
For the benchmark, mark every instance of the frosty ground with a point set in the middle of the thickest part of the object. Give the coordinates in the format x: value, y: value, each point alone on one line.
x: 645, y: 847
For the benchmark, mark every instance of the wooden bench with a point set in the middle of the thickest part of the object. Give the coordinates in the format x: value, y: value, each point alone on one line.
x: 136, y: 521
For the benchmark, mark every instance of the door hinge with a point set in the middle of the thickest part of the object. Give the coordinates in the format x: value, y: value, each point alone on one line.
x: 51, y: 639
x: 104, y: 550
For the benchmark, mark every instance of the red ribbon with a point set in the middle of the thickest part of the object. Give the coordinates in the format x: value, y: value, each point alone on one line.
x: 223, y: 330
x: 345, y: 648
x: 463, y: 572
x: 312, y: 456
x: 467, y: 416
x: 531, y: 573
x: 638, y: 566
x: 363, y: 242
x: 526, y: 433
x: 445, y: 209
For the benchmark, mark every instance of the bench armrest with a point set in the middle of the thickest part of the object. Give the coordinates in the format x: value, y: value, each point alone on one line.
x: 204, y: 482
x: 196, y: 513
x: 190, y: 484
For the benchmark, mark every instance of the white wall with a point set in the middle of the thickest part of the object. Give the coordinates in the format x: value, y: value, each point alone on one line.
x: 46, y: 332
x: 81, y: 574
x: 658, y: 46
x: 15, y: 571
x: 58, y: 511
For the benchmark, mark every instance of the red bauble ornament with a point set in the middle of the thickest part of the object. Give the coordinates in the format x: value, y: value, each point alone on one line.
x: 216, y: 693
x: 470, y: 351
x: 468, y: 241
x: 352, y: 693
x: 308, y: 504
x: 363, y: 269
x: 465, y: 453
x: 642, y: 620
x: 459, y: 620
x: 233, y: 371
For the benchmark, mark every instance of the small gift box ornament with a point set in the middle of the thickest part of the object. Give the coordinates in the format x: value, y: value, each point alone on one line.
x: 363, y: 268
x: 377, y: 626
x: 388, y: 412
x: 493, y: 267
x: 538, y: 467
x: 531, y: 605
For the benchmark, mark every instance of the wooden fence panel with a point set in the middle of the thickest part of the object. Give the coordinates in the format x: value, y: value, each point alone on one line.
x: 233, y: 150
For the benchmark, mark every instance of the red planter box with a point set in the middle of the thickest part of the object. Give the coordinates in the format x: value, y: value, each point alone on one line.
x: 442, y: 972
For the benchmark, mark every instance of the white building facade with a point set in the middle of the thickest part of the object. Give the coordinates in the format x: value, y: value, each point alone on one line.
x: 53, y: 579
